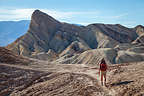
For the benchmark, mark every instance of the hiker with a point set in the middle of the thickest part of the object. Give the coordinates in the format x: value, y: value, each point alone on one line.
x: 103, y: 71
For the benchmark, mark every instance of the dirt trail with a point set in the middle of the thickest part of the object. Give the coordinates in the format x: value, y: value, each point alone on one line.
x: 117, y: 74
x: 81, y: 69
x: 76, y: 68
x: 47, y: 79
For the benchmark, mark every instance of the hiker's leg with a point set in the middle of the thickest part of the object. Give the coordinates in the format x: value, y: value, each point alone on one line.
x: 105, y: 78
x: 101, y: 78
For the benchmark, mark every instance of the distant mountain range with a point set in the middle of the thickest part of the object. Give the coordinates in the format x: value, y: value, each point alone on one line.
x: 11, y: 30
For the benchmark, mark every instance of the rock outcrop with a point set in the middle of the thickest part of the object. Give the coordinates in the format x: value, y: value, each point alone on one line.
x: 90, y: 57
x: 139, y: 30
x: 48, y: 56
x: 122, y: 53
x: 139, y: 39
x: 7, y: 56
x: 129, y: 56
x: 74, y: 48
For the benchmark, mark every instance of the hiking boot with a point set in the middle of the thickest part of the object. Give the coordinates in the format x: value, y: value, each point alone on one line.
x: 102, y: 83
x: 105, y: 84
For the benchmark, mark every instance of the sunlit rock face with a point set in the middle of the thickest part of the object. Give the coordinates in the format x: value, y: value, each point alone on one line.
x: 46, y: 33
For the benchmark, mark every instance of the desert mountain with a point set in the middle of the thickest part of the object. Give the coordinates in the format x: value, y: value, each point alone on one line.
x: 47, y: 33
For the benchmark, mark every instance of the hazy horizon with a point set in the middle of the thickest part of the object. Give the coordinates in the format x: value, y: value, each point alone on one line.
x: 124, y: 12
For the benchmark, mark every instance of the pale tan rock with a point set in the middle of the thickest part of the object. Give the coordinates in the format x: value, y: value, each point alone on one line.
x: 140, y: 39
x: 139, y: 30
x: 92, y: 57
x: 74, y: 48
x: 49, y: 56
x: 129, y: 56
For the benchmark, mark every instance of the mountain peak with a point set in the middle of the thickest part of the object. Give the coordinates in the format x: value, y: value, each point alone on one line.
x: 38, y: 12
x: 139, y: 26
x: 39, y: 16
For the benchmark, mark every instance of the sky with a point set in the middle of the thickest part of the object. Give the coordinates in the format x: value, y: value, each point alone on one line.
x: 129, y: 13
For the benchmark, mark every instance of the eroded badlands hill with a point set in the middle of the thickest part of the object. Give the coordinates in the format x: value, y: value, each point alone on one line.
x: 47, y: 33
x: 52, y: 40
x: 7, y: 56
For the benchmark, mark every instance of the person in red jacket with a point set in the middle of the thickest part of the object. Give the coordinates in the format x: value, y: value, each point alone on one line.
x: 103, y: 71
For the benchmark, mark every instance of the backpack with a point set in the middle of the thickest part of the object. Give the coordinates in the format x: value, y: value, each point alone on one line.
x: 103, y: 67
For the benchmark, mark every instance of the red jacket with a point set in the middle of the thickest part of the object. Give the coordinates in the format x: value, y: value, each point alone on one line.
x: 103, y: 66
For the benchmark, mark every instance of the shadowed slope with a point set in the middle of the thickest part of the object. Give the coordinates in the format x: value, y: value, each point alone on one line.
x: 7, y: 56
